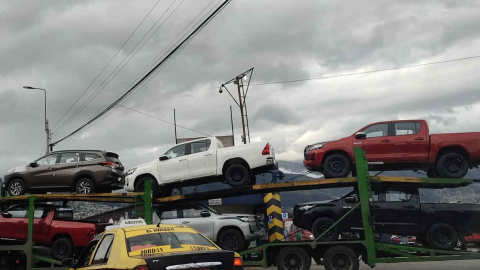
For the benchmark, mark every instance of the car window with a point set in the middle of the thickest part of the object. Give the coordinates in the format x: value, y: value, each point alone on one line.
x: 19, y: 211
x: 192, y: 212
x: 91, y: 156
x: 41, y: 211
x: 48, y: 160
x: 374, y: 131
x: 103, y: 250
x: 172, y: 239
x: 200, y: 146
x: 84, y: 259
x: 70, y: 157
x: 176, y: 151
x: 406, y: 128
x: 168, y: 214
x: 397, y: 196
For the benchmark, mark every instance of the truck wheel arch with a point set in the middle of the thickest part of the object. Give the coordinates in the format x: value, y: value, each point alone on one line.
x: 341, y: 152
x: 15, y: 177
x: 329, y: 213
x: 142, y: 176
x: 452, y: 149
x: 234, y: 161
x: 81, y: 176
x: 226, y: 228
x: 60, y: 235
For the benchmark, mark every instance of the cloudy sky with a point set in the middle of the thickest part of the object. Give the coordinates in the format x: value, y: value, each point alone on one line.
x: 63, y: 45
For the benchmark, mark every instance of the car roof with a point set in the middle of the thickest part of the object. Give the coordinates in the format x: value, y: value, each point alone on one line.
x: 73, y: 150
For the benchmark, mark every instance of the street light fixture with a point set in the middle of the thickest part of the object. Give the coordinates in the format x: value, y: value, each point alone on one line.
x: 46, y: 121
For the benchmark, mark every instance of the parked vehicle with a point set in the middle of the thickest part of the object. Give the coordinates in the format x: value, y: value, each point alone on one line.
x: 474, y: 239
x: 396, y: 211
x: 398, y: 145
x: 231, y: 231
x: 82, y: 171
x: 53, y: 226
x: 201, y: 161
x: 154, y: 247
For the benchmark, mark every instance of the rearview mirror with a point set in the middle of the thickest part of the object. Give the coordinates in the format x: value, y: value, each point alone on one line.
x: 33, y: 164
x: 205, y: 213
x: 162, y: 158
x: 360, y: 135
x: 351, y: 200
x: 6, y: 215
x: 69, y: 262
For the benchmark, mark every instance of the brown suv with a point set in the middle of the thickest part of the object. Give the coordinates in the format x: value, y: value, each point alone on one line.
x: 82, y: 171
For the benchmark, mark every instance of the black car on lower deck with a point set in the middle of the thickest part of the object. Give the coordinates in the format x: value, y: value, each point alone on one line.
x: 394, y: 210
x: 82, y: 171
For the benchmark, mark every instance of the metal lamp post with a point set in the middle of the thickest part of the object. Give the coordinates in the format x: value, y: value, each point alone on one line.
x: 46, y: 120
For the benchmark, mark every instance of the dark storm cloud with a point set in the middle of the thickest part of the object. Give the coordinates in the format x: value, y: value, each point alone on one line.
x: 62, y: 45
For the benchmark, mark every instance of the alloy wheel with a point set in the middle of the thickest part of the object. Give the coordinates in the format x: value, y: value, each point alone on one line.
x: 15, y: 188
x: 84, y: 187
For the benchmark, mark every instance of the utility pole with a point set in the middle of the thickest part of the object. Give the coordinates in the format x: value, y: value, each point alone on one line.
x: 242, y: 95
x: 47, y: 130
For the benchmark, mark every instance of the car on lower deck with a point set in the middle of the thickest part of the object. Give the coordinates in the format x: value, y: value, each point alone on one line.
x: 154, y: 247
x: 230, y: 231
x: 81, y: 171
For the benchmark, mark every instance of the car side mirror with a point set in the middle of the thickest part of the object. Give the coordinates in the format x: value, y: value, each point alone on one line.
x: 162, y: 158
x: 361, y: 135
x: 6, y: 215
x: 205, y: 213
x: 33, y: 164
x: 351, y: 200
x: 69, y: 262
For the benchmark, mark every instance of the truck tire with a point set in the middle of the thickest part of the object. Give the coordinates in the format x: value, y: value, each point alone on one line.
x: 237, y: 175
x: 336, y: 166
x: 442, y: 236
x: 293, y: 258
x: 323, y: 223
x: 340, y: 258
x: 140, y: 185
x: 16, y: 187
x: 62, y: 248
x: 231, y: 239
x: 452, y: 165
x: 85, y: 186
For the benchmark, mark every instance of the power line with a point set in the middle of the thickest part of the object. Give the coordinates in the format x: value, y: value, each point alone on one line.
x: 117, y: 69
x: 368, y: 72
x: 176, y: 50
x: 168, y: 122
x: 111, y: 59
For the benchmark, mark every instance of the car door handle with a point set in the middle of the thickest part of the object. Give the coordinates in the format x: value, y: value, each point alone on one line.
x: 183, y: 159
x: 419, y: 139
x: 385, y: 140
x: 185, y: 222
x: 208, y: 155
x: 20, y: 221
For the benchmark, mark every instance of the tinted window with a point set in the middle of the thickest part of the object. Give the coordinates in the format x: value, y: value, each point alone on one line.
x: 374, y: 131
x: 19, y: 211
x: 64, y: 213
x: 406, y: 128
x: 91, y: 156
x: 103, y: 250
x: 70, y: 157
x: 192, y: 212
x: 87, y: 252
x: 200, y: 146
x: 48, y: 160
x: 397, y: 196
x: 168, y: 214
x: 176, y: 151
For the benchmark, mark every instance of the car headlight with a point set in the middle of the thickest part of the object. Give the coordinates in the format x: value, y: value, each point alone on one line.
x: 130, y: 171
x: 247, y: 219
x: 316, y: 146
x: 306, y: 207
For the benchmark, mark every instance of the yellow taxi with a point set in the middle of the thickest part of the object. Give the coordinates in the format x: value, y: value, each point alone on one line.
x: 154, y: 247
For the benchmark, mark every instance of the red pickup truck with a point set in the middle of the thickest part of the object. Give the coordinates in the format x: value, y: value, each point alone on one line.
x: 53, y: 226
x: 398, y: 145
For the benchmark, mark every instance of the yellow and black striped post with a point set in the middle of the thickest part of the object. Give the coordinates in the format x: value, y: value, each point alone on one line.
x: 274, y: 215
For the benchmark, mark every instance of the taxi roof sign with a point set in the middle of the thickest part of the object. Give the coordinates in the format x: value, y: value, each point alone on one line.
x: 128, y: 223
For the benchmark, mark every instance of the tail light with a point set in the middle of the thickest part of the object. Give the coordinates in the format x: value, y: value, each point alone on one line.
x: 141, y: 267
x: 266, y: 150
x: 237, y: 263
x: 108, y: 164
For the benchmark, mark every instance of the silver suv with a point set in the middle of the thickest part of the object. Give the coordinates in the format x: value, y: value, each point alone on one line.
x: 230, y: 231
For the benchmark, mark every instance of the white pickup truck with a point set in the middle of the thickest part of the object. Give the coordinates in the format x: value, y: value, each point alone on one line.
x: 202, y: 161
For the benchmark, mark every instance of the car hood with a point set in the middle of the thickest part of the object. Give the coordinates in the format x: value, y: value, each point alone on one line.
x: 18, y: 169
x: 144, y: 164
x: 316, y: 202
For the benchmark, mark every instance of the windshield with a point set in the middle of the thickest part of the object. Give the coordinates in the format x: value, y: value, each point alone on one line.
x: 154, y: 243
